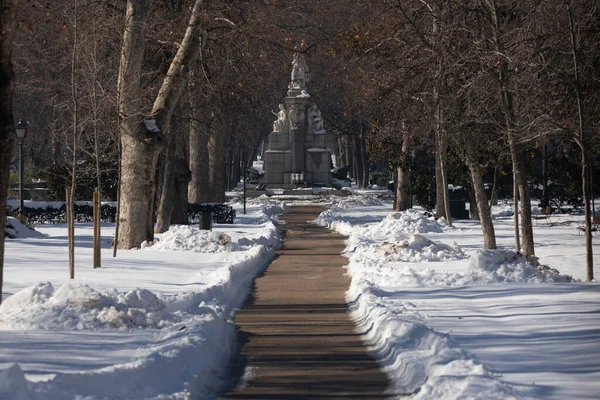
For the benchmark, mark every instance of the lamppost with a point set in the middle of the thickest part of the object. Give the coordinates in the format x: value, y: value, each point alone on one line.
x: 21, y: 130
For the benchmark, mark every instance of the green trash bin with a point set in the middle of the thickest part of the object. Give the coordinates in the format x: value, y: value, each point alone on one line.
x: 458, y: 209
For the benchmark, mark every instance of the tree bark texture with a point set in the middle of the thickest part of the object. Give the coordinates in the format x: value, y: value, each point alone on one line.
x: 402, y: 202
x: 483, y: 208
x: 585, y: 165
x: 216, y: 167
x: 165, y: 199
x: 347, y: 152
x: 140, y: 146
x: 199, y: 165
x: 516, y: 150
x: 358, y: 162
x: 402, y: 195
x: 8, y: 19
x: 516, y: 219
x: 441, y: 178
x: 364, y: 156
x: 183, y: 176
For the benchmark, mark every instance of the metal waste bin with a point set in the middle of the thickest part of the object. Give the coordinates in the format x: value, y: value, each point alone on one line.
x: 458, y: 209
x: 206, y: 211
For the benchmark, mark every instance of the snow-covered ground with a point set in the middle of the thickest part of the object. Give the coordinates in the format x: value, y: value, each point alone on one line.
x: 151, y: 323
x: 447, y: 320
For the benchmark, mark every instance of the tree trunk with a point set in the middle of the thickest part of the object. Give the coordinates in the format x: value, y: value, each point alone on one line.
x: 358, y: 166
x: 235, y: 168
x: 585, y: 173
x: 183, y: 176
x: 516, y: 151
x: 402, y: 195
x: 483, y: 208
x: 473, y: 210
x: 199, y: 184
x: 364, y: 156
x: 395, y: 177
x: 165, y: 199
x: 216, y: 167
x: 516, y: 212
x: 341, y: 156
x: 347, y: 153
x: 494, y: 198
x: 8, y: 19
x: 140, y: 148
x: 441, y: 178
x: 141, y: 145
x: 402, y: 187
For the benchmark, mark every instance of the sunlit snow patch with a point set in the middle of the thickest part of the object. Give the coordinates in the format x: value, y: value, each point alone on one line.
x: 192, y: 238
x: 499, y: 266
x: 420, y: 249
x: 75, y: 306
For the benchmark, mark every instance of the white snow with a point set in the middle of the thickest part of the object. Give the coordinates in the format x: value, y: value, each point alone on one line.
x: 15, y: 229
x: 449, y: 320
x: 445, y: 318
x: 150, y: 324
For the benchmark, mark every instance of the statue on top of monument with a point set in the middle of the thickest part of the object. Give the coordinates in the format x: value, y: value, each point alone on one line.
x: 279, y: 124
x: 300, y: 72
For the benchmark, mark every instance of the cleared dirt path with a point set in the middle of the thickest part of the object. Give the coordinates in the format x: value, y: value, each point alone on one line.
x: 300, y: 342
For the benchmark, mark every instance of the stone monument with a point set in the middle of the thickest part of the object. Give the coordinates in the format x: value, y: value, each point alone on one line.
x: 298, y: 153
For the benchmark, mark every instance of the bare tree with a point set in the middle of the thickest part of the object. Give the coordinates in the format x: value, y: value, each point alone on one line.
x: 142, y: 138
x: 8, y: 20
x: 496, y: 20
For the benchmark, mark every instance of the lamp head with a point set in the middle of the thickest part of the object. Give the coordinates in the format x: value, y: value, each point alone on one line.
x: 21, y: 129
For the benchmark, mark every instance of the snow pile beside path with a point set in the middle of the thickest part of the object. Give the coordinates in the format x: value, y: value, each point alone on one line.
x: 75, y: 306
x: 421, y: 362
x: 396, y: 225
x: 192, y: 238
x: 229, y: 285
x: 15, y: 229
x: 506, y: 266
x: 185, y: 340
x: 485, y: 267
x: 332, y: 217
x: 272, y: 209
x: 268, y: 237
x: 420, y: 249
x: 79, y: 307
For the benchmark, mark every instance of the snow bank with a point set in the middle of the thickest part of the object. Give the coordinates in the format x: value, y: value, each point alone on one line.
x: 420, y: 249
x: 15, y: 229
x: 396, y: 224
x: 504, y: 266
x: 267, y: 237
x: 75, y: 306
x: 332, y: 217
x: 391, y: 254
x: 174, y: 345
x: 421, y: 362
x: 192, y: 238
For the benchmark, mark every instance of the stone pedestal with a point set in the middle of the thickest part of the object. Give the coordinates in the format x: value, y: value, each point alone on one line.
x: 298, y: 153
